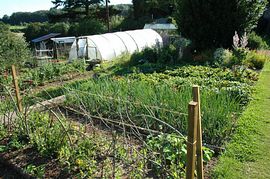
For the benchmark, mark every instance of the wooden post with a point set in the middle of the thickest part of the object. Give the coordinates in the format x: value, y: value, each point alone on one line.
x: 191, y: 141
x: 77, y: 47
x: 196, y: 98
x: 87, y: 53
x: 17, y: 90
x: 108, y: 15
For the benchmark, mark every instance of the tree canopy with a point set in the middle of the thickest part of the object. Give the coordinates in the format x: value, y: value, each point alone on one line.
x: 212, y: 23
x: 73, y: 5
x: 18, y: 18
x: 155, y: 8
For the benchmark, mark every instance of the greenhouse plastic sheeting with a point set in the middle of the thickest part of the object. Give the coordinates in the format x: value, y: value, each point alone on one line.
x: 108, y: 46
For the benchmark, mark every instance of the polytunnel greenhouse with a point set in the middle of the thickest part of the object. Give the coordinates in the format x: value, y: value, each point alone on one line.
x: 106, y: 47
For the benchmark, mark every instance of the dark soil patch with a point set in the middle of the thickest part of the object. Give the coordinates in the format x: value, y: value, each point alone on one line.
x: 8, y: 173
x: 14, y: 162
x: 209, y: 167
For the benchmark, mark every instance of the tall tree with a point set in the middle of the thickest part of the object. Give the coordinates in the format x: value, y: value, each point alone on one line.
x: 212, y: 23
x: 153, y: 8
x: 71, y: 5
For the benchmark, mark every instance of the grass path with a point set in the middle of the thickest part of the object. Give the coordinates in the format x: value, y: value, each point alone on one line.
x: 248, y: 153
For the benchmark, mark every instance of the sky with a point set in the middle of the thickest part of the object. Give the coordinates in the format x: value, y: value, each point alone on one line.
x: 10, y: 6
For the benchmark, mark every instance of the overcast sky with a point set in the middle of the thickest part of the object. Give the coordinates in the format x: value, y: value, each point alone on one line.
x: 10, y: 6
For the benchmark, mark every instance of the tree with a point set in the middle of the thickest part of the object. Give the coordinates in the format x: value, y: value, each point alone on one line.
x: 88, y: 27
x: 212, y: 23
x: 3, y: 27
x: 155, y: 8
x: 18, y: 18
x: 13, y: 49
x: 72, y: 5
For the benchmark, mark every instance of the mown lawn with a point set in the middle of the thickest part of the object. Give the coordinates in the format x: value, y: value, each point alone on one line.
x: 247, y: 155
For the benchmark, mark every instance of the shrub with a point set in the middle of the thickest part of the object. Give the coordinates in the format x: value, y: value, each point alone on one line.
x: 255, y: 60
x: 90, y: 27
x: 34, y: 30
x: 13, y: 50
x: 60, y: 27
x: 3, y: 27
x: 46, y: 135
x: 222, y: 57
x: 256, y: 42
x: 168, y: 54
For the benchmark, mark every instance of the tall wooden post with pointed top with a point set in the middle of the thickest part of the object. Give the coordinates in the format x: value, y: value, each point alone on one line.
x: 196, y: 98
x: 191, y: 141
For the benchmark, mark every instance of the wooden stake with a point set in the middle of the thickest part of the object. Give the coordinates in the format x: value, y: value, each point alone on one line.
x: 17, y: 90
x: 192, y: 135
x: 196, y: 98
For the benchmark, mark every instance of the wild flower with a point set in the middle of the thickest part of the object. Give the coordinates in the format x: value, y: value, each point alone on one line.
x: 236, y: 40
x: 240, y: 42
x: 244, y: 40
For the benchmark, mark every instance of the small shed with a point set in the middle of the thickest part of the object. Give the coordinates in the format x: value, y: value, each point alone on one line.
x: 167, y: 31
x: 62, y: 45
x: 161, y: 27
x: 44, y: 46
x: 106, y: 47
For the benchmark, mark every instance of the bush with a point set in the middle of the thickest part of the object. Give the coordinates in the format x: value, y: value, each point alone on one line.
x: 34, y: 30
x: 255, y: 60
x: 167, y: 54
x: 13, y: 50
x: 256, y: 42
x: 60, y: 27
x: 46, y: 135
x: 222, y: 57
x: 3, y: 27
x: 90, y: 27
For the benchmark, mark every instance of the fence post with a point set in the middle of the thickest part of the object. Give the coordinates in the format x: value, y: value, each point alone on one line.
x: 191, y: 141
x: 196, y: 98
x: 17, y: 90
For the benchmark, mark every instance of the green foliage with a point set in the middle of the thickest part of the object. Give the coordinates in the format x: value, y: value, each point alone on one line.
x: 155, y: 8
x: 3, y: 131
x: 60, y: 27
x: 203, y: 22
x: 130, y: 23
x: 4, y: 27
x: 255, y: 60
x: 80, y: 158
x: 13, y: 50
x: 165, y: 55
x: 147, y: 96
x: 170, y: 153
x: 50, y: 72
x: 248, y: 146
x: 222, y: 57
x: 116, y: 21
x: 45, y: 135
x: 90, y: 27
x: 73, y: 6
x: 256, y: 42
x: 37, y: 171
x: 18, y: 18
x: 34, y: 30
x: 83, y: 27
x: 239, y: 57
